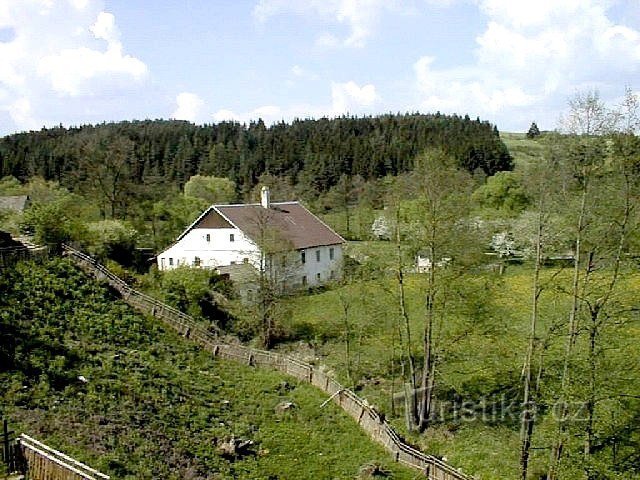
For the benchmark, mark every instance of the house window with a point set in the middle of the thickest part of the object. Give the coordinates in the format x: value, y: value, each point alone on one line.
x: 304, y: 280
x: 170, y: 261
x: 196, y: 262
x: 208, y: 237
x: 245, y: 260
x: 232, y: 237
x: 317, y: 255
x: 162, y: 263
x: 303, y: 257
x: 331, y: 253
x: 318, y: 276
x: 333, y: 274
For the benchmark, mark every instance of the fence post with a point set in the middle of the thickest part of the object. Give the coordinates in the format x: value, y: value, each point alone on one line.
x: 6, y: 454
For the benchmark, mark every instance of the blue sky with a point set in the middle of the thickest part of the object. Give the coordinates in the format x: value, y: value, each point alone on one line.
x: 507, y: 61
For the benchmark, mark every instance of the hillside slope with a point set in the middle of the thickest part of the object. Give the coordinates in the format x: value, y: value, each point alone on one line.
x: 84, y: 373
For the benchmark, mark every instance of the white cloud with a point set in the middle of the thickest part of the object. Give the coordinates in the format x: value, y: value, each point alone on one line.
x: 268, y: 113
x: 360, y: 16
x: 346, y: 97
x: 70, y: 70
x: 60, y: 49
x: 105, y: 28
x: 529, y: 58
x: 466, y: 90
x: 20, y: 112
x: 226, y: 115
x: 349, y: 97
x: 189, y: 107
x: 79, y: 4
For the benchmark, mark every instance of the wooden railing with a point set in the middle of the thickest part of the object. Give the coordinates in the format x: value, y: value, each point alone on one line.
x: 365, y: 415
x: 180, y: 321
x: 45, y: 463
x: 11, y: 255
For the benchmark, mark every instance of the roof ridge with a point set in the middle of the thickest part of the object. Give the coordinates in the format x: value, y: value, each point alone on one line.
x: 288, y: 202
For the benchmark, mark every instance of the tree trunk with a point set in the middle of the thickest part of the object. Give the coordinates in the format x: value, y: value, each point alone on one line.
x: 528, y: 400
x: 428, y: 369
x: 595, y: 328
x: 405, y: 340
x: 556, y: 449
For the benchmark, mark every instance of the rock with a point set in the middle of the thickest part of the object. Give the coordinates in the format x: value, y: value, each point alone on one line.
x: 284, y: 387
x: 285, y: 407
x: 372, y: 470
x: 233, y: 448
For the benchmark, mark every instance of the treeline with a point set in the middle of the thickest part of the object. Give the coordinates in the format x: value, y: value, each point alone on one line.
x: 314, y: 153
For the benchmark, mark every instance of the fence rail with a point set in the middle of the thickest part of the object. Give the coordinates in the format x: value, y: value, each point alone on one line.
x: 11, y: 255
x: 45, y: 463
x: 364, y: 414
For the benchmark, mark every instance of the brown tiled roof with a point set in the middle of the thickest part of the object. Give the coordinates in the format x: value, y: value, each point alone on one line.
x: 7, y: 242
x: 291, y: 221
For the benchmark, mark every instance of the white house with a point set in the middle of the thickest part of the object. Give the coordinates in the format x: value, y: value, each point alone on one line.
x: 423, y: 263
x: 282, y: 238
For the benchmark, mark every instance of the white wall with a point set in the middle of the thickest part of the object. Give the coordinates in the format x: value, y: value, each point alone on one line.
x: 219, y: 250
x: 312, y: 267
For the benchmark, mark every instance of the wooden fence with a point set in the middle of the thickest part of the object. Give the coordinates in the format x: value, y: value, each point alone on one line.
x: 11, y: 255
x: 365, y: 415
x: 45, y: 463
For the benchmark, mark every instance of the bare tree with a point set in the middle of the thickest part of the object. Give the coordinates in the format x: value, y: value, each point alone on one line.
x: 607, y: 189
x: 587, y: 115
x: 105, y: 169
x: 439, y: 228
x: 278, y: 265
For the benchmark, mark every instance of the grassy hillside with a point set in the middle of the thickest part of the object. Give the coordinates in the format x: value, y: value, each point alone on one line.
x: 84, y: 373
x: 523, y: 150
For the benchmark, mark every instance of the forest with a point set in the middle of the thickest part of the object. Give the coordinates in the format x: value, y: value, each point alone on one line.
x: 130, y: 162
x: 513, y: 354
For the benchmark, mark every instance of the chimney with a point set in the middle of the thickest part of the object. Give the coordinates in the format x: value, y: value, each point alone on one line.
x: 265, y: 200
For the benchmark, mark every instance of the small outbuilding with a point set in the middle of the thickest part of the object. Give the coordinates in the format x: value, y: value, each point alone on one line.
x: 15, y: 203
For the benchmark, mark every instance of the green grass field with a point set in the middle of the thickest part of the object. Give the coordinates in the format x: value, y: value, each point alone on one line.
x: 524, y: 150
x: 481, y: 340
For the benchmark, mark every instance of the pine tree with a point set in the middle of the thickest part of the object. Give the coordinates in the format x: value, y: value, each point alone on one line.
x: 534, y: 131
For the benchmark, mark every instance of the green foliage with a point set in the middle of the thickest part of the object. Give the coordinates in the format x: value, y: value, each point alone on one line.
x: 170, y: 217
x: 482, y: 337
x: 533, y: 131
x: 55, y: 222
x: 84, y: 373
x: 196, y: 291
x: 110, y: 239
x: 503, y: 191
x: 11, y: 186
x: 524, y: 150
x: 212, y: 190
x: 124, y: 164
x: 44, y: 191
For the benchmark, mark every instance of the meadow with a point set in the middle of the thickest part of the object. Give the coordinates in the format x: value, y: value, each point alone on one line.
x: 481, y: 343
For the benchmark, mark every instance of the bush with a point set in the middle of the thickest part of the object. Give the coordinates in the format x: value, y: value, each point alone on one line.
x: 111, y: 239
